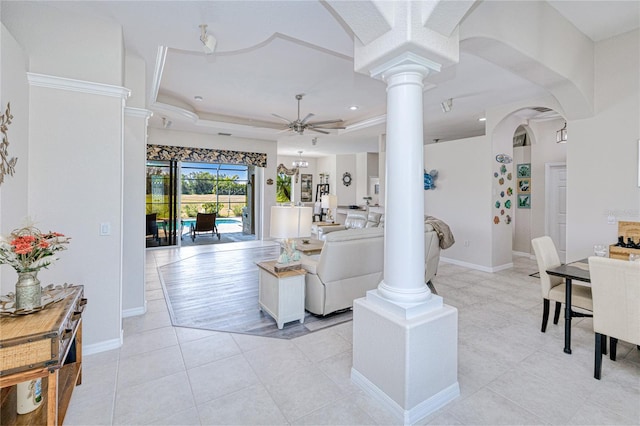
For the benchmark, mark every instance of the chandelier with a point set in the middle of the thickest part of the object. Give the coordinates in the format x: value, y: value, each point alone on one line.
x: 300, y: 163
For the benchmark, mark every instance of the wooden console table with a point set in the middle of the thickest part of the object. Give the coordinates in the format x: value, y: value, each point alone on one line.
x: 48, y: 345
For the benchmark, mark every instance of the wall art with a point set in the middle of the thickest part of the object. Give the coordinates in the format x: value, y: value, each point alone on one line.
x: 524, y: 201
x: 523, y: 170
x: 524, y: 186
x: 8, y: 165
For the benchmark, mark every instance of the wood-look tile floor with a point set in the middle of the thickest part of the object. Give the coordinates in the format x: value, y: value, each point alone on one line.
x: 218, y: 291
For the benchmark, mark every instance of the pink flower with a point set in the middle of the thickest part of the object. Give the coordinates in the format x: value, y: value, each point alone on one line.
x: 23, y: 248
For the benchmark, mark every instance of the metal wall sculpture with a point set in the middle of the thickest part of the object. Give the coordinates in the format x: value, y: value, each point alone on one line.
x: 8, y: 164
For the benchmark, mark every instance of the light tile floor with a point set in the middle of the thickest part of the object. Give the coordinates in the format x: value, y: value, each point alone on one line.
x: 509, y: 372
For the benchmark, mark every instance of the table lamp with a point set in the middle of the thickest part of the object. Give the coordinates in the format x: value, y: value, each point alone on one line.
x: 288, y: 222
x: 330, y: 202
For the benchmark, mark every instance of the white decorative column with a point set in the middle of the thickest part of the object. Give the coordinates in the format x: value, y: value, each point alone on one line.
x: 404, y: 337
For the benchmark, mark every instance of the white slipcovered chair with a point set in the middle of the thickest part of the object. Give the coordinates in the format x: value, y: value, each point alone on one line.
x: 553, y: 288
x: 616, y: 305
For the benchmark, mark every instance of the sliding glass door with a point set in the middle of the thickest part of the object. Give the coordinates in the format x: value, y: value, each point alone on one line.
x: 161, y: 203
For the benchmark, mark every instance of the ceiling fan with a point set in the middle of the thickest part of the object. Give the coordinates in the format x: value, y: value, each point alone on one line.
x: 300, y: 125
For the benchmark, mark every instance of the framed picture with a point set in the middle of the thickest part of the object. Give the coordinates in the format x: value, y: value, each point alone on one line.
x: 523, y: 170
x: 524, y: 186
x: 306, y: 187
x: 524, y: 201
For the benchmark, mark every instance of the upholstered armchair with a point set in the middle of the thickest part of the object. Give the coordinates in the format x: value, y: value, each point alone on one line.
x: 350, y: 264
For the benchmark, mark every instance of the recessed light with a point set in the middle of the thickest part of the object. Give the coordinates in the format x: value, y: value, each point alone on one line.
x: 482, y: 119
x: 198, y: 98
x: 353, y: 107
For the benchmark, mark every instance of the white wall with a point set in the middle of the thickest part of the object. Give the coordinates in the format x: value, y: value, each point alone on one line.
x: 74, y: 163
x: 462, y: 198
x: 602, y: 156
x: 75, y: 184
x: 133, y: 262
x: 346, y: 194
x: 14, y: 190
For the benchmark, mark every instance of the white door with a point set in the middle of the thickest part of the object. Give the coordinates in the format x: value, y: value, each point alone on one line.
x: 556, y: 206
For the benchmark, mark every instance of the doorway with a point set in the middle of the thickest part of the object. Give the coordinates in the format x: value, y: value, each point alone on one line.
x: 178, y: 191
x: 556, y: 206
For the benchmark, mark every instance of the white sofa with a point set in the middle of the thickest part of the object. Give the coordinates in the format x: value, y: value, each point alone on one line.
x: 351, y: 263
x: 354, y: 220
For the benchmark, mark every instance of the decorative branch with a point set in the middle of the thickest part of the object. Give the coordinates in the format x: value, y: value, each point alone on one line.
x: 8, y: 164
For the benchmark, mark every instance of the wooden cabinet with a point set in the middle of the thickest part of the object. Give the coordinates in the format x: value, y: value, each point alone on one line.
x: 47, y: 345
x: 281, y: 294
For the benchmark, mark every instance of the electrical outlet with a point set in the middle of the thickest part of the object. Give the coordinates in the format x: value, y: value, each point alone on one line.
x: 611, y: 220
x: 467, y: 243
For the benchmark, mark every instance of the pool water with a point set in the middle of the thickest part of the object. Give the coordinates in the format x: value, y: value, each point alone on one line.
x: 186, y: 223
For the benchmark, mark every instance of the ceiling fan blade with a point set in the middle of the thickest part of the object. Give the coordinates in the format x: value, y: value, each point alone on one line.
x: 315, y: 123
x: 281, y: 117
x: 327, y: 128
x: 304, y: 120
x: 318, y: 130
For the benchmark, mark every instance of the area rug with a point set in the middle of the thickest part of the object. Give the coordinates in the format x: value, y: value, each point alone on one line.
x: 219, y: 291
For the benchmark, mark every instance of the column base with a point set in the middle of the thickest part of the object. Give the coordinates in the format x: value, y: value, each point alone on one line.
x: 407, y: 362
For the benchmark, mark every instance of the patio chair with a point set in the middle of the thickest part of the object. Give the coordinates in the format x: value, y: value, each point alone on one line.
x: 205, y: 222
x: 152, y: 226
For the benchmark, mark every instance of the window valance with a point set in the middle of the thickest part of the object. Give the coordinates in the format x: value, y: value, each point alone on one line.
x: 205, y: 155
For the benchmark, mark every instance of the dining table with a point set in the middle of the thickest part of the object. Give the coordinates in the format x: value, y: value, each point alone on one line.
x: 578, y: 270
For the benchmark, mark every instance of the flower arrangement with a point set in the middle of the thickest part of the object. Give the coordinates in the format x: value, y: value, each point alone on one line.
x: 29, y: 250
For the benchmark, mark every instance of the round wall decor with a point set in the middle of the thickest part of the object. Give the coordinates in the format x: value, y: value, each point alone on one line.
x: 346, y: 179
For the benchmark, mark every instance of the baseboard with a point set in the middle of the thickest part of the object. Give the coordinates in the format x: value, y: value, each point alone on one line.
x: 523, y: 254
x: 477, y: 267
x: 133, y: 312
x: 408, y: 417
x: 104, y: 346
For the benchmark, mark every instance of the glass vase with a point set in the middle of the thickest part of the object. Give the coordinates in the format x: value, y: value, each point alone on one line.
x: 28, y: 290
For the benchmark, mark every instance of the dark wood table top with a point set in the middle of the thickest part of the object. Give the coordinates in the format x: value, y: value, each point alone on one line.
x: 578, y: 270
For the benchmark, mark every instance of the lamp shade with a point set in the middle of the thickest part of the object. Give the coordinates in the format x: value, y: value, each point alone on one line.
x: 329, y: 201
x: 290, y: 221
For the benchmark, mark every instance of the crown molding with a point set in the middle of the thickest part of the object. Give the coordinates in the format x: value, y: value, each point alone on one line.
x: 73, y: 85
x: 137, y: 112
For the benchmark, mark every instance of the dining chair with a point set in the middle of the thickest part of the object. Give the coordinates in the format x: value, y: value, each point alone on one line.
x: 553, y: 288
x: 615, y: 285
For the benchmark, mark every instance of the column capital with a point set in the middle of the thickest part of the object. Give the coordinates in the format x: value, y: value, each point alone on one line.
x: 407, y: 62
